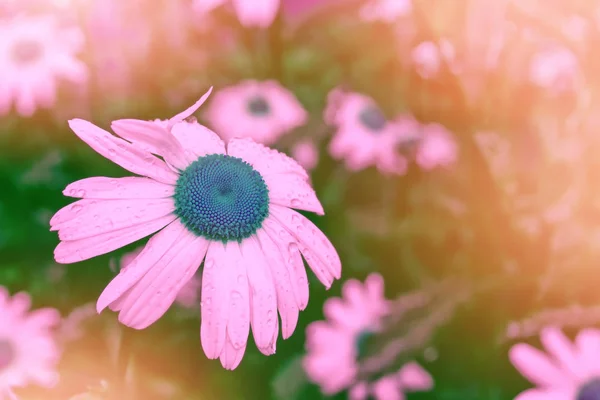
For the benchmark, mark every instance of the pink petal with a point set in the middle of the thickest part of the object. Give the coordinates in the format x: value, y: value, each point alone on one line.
x: 190, y: 110
x: 105, y: 216
x: 288, y: 248
x: 536, y: 366
x: 286, y: 301
x: 545, y: 394
x: 153, y: 138
x: 387, y: 388
x: 291, y: 190
x: 263, y: 315
x: 238, y: 325
x: 413, y: 377
x: 117, y: 290
x: 198, y: 139
x: 359, y: 391
x: 214, y: 305
x: 123, y: 153
x: 336, y: 311
x: 374, y: 286
x: 318, y: 251
x: 257, y: 13
x: 118, y: 188
x: 265, y: 160
x: 558, y: 346
x: 155, y: 292
x: 588, y: 345
x: 231, y: 357
x: 79, y: 250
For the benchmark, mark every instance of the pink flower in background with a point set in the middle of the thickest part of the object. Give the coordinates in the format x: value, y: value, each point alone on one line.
x: 334, y: 346
x: 34, y: 53
x: 28, y: 351
x: 306, y: 153
x: 262, y: 111
x: 437, y: 148
x: 555, y: 69
x: 427, y: 58
x: 250, y: 13
x: 364, y: 137
x: 567, y: 371
x: 385, y: 10
x: 229, y: 206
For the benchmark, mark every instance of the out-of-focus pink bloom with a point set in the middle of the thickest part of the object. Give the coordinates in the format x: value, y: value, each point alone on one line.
x: 364, y: 137
x: 71, y: 327
x: 34, y: 53
x: 262, y: 111
x: 28, y: 351
x: 427, y: 58
x: 385, y: 10
x: 227, y: 206
x: 250, y: 13
x: 333, y: 346
x: 306, y: 153
x: 437, y: 148
x: 567, y: 371
x: 554, y: 69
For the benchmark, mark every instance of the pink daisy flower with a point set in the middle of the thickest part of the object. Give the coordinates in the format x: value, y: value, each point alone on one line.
x: 250, y: 13
x: 385, y: 10
x: 262, y: 111
x: 34, y: 52
x: 364, y: 137
x: 437, y: 148
x: 334, y: 346
x: 568, y: 371
x: 28, y: 351
x: 306, y: 153
x: 229, y: 206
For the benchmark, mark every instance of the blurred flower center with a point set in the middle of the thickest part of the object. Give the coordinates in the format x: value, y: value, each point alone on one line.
x: 258, y: 106
x: 364, y: 342
x: 27, y: 51
x: 7, y: 353
x: 590, y: 391
x: 408, y: 145
x: 372, y: 118
x: 221, y: 198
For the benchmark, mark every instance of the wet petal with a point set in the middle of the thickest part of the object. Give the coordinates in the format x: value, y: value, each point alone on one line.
x: 118, y: 188
x: 238, y: 326
x: 155, y: 292
x: 83, y: 249
x: 291, y: 190
x: 190, y: 110
x: 122, y: 152
x: 231, y: 357
x: 263, y: 316
x: 286, y: 301
x: 198, y: 139
x: 105, y: 216
x: 153, y: 138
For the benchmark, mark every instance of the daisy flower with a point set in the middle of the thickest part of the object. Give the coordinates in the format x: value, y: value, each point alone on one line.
x: 364, y: 136
x: 437, y: 148
x: 334, y: 346
x: 28, y: 351
x: 306, y: 153
x: 229, y: 206
x: 567, y: 371
x: 34, y: 52
x: 262, y: 111
x: 250, y: 13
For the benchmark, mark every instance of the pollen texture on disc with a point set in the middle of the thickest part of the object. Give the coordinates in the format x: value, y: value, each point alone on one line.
x: 221, y: 198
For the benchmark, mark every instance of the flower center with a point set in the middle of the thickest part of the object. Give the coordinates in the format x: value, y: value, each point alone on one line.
x: 372, y: 118
x: 363, y: 342
x: 27, y: 51
x: 7, y: 354
x: 258, y: 106
x: 590, y: 390
x: 221, y: 198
